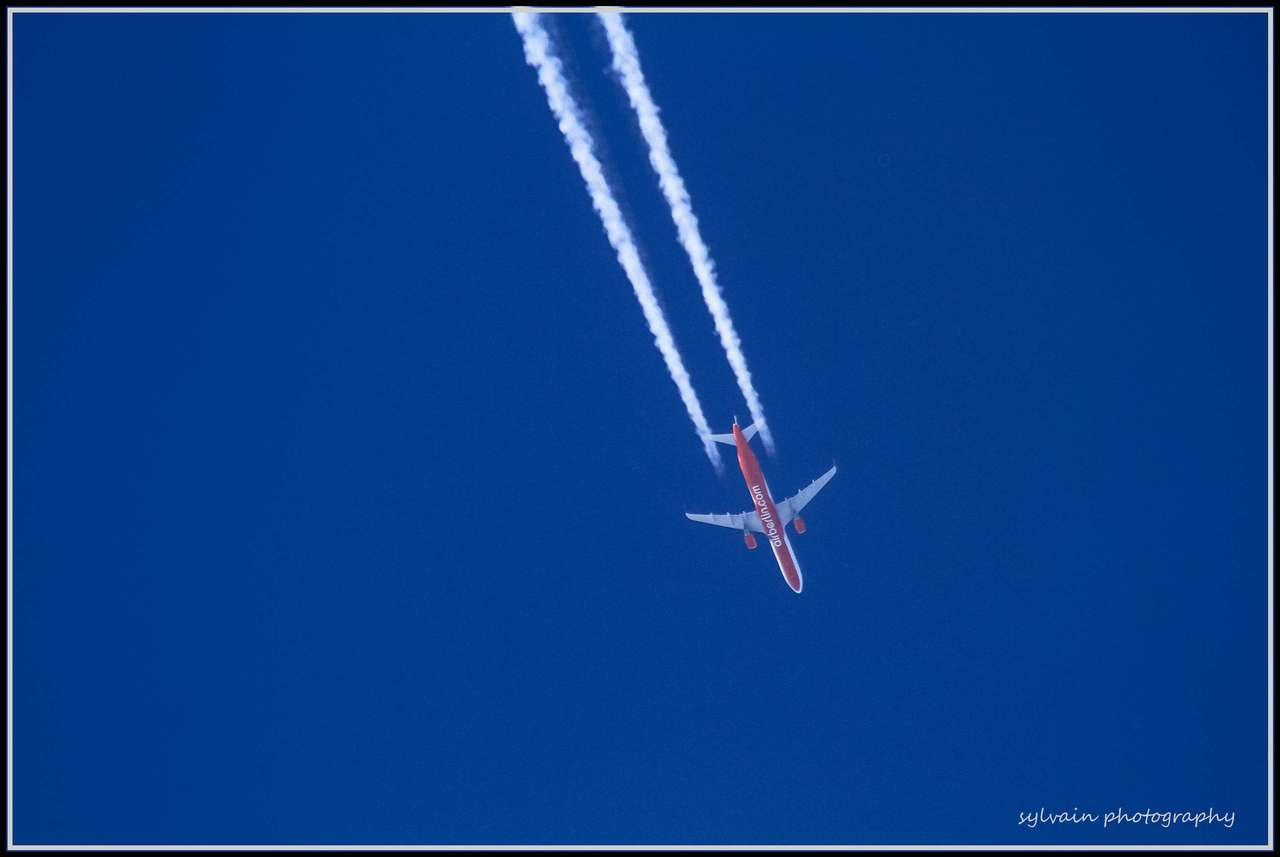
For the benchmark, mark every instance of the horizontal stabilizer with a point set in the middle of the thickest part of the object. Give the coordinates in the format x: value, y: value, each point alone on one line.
x: 727, y: 439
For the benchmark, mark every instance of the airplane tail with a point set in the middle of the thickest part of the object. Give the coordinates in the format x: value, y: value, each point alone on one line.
x: 727, y: 439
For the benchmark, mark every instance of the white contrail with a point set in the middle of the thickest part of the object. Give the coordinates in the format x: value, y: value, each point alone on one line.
x: 626, y: 61
x: 538, y: 53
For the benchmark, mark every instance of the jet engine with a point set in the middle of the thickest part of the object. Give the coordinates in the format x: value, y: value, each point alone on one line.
x: 749, y: 539
x: 798, y: 523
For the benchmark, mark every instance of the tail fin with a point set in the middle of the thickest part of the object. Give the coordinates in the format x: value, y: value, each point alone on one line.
x: 727, y: 439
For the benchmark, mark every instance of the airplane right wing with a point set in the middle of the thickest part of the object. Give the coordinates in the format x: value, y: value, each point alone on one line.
x: 740, y: 521
x: 791, y: 506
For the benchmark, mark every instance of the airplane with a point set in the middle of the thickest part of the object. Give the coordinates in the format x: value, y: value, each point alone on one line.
x: 768, y: 518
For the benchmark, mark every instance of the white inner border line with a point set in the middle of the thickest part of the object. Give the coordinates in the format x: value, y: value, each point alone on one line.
x: 1265, y: 10
x: 565, y: 10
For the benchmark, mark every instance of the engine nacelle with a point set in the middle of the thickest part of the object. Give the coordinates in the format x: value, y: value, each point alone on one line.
x: 798, y: 523
x: 749, y: 539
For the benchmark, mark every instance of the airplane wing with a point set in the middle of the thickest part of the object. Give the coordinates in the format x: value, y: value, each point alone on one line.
x: 791, y: 506
x: 740, y: 521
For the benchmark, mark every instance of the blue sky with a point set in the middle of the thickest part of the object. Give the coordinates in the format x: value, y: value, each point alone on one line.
x: 348, y: 485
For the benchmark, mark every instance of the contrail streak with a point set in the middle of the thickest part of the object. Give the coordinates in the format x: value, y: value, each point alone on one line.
x: 626, y: 61
x: 539, y: 55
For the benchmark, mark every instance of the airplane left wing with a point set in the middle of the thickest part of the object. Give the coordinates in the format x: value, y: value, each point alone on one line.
x: 791, y: 506
x: 740, y: 521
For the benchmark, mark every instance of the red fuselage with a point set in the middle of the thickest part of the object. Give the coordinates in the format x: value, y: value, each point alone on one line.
x: 774, y: 529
